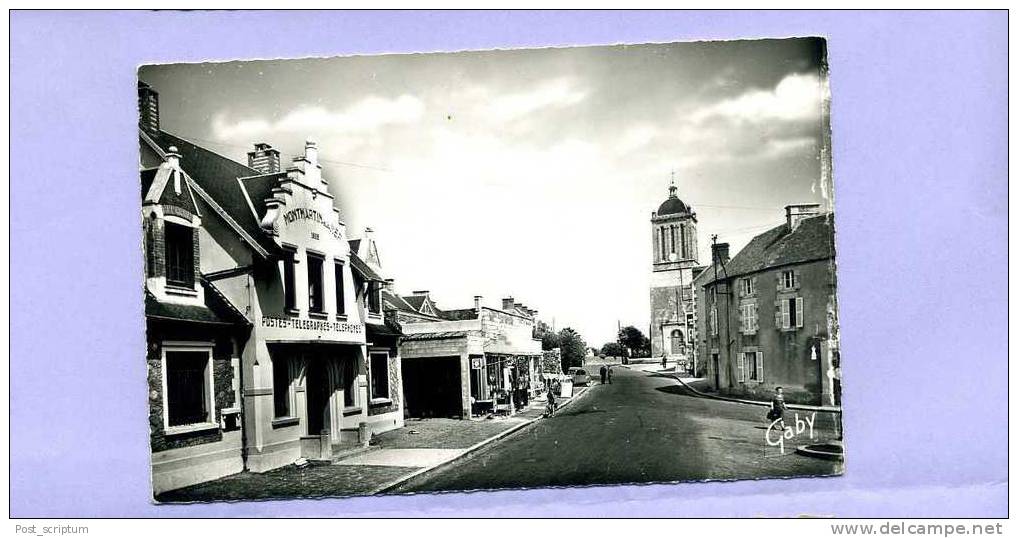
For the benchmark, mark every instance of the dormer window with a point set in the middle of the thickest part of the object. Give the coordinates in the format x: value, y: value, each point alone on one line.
x: 179, y: 240
x: 374, y: 297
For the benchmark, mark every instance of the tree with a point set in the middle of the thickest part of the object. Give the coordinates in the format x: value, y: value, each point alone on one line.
x: 612, y: 349
x: 549, y: 340
x: 574, y: 349
x: 634, y: 340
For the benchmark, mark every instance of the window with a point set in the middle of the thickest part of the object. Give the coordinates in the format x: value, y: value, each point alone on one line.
x: 713, y: 295
x: 188, y: 395
x: 682, y: 240
x: 749, y: 318
x: 179, y: 255
x: 349, y: 383
x: 316, y: 298
x: 289, y: 284
x: 751, y: 366
x: 664, y: 244
x: 788, y: 280
x: 747, y: 286
x: 790, y: 313
x: 714, y: 321
x: 281, y: 387
x: 379, y: 375
x: 374, y: 299
x: 340, y: 293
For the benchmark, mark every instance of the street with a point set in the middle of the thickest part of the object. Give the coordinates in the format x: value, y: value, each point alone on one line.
x: 641, y: 428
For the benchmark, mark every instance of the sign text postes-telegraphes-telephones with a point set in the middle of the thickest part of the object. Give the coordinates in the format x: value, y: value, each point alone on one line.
x: 321, y: 325
x: 307, y: 213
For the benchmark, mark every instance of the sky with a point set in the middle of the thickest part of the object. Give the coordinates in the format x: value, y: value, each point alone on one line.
x: 530, y: 173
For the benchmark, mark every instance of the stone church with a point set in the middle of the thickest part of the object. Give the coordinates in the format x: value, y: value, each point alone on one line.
x: 675, y: 265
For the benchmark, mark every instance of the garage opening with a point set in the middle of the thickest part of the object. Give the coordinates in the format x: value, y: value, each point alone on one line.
x: 432, y: 387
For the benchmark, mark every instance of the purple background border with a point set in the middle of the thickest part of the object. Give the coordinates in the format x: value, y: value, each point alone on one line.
x: 920, y: 168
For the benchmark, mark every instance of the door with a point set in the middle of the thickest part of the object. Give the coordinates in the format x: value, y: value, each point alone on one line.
x: 717, y: 370
x: 431, y: 386
x: 318, y: 391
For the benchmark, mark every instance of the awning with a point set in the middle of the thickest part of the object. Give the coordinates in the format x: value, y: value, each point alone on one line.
x: 362, y: 268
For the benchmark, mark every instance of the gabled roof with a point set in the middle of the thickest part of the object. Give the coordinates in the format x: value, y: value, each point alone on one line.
x: 216, y: 180
x: 363, y: 269
x: 812, y: 240
x: 415, y: 301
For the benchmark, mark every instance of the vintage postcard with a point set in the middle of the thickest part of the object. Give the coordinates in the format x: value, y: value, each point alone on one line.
x: 489, y: 269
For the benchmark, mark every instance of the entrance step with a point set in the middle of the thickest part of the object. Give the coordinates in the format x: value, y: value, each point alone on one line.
x: 341, y: 452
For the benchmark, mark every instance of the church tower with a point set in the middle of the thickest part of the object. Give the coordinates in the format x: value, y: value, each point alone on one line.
x: 674, y: 262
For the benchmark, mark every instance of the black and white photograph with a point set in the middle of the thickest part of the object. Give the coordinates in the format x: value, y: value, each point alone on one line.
x: 494, y: 269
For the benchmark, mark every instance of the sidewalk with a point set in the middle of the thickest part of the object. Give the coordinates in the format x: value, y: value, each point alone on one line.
x: 395, y: 457
x: 688, y: 383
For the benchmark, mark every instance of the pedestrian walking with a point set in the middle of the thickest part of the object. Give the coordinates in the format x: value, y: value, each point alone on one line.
x: 550, y: 410
x: 610, y: 371
x: 604, y: 373
x: 664, y: 362
x: 778, y: 408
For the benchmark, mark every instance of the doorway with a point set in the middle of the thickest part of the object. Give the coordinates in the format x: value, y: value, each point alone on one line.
x: 318, y: 392
x: 716, y: 363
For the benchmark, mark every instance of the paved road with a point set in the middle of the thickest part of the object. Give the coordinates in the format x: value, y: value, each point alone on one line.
x: 639, y: 429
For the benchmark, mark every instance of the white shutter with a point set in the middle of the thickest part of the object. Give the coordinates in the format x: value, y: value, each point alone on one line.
x: 798, y: 311
x: 777, y: 314
x: 795, y: 279
x: 785, y: 314
x: 742, y: 367
x: 742, y: 319
x: 759, y: 366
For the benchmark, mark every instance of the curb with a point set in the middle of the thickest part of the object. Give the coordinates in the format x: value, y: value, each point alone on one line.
x: 392, y: 484
x: 800, y: 407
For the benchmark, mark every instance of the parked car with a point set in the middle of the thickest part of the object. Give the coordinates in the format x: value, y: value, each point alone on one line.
x: 579, y: 376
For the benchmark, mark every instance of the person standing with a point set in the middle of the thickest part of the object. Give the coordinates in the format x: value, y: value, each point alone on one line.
x: 604, y: 373
x: 664, y: 362
x: 550, y: 411
x: 610, y: 372
x: 778, y: 408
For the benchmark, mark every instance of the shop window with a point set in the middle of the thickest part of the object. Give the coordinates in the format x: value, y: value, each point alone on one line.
x: 316, y: 297
x: 289, y: 282
x: 340, y: 292
x: 349, y: 384
x: 179, y: 241
x: 379, y: 375
x: 188, y: 395
x: 281, y: 387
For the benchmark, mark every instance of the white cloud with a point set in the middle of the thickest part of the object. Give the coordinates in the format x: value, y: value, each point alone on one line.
x: 796, y: 97
x: 366, y: 115
x: 555, y: 93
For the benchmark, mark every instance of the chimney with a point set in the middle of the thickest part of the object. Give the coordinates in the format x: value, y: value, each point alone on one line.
x: 519, y: 306
x: 264, y: 158
x: 795, y: 213
x: 420, y: 293
x: 477, y: 303
x: 148, y: 108
x: 311, y: 151
x: 390, y: 285
x: 719, y: 252
x: 507, y: 303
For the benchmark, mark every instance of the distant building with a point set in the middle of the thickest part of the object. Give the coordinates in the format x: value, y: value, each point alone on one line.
x: 674, y: 266
x: 770, y: 314
x: 466, y: 362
